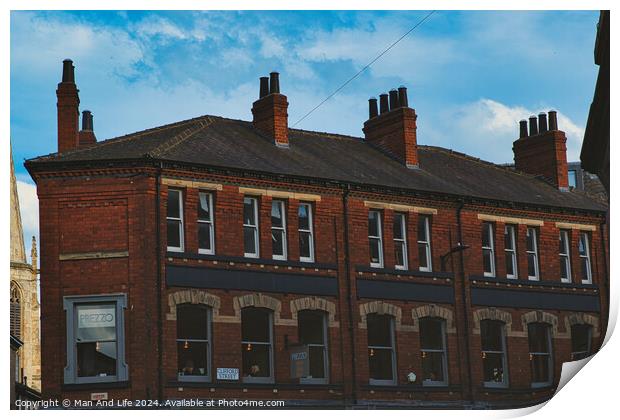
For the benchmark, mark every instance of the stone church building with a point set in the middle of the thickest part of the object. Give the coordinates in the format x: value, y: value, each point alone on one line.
x: 24, y: 299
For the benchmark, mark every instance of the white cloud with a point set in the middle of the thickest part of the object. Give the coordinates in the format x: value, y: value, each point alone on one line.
x: 487, y: 128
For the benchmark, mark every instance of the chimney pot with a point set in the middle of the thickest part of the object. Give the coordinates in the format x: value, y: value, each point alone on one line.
x: 533, y: 125
x: 553, y: 120
x: 542, y: 122
x: 522, y: 129
x: 264, y: 87
x: 402, y: 96
x: 372, y: 108
x: 394, y: 102
x: 383, y: 103
x: 87, y: 121
x: 274, y: 82
x: 68, y: 74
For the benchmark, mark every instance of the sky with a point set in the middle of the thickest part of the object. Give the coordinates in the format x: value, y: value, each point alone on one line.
x: 471, y: 75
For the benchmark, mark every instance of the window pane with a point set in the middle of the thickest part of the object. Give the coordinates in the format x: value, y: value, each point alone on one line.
x: 192, y: 322
x: 255, y: 325
x: 379, y: 330
x: 423, y: 255
x: 584, y: 269
x: 582, y: 245
x: 277, y: 216
x: 540, y: 368
x: 432, y: 366
x: 204, y: 210
x: 486, y: 259
x: 304, y: 217
x: 398, y: 226
x: 204, y: 235
x: 174, y: 197
x: 96, y: 359
x: 564, y: 267
x: 431, y: 334
x: 317, y: 362
x: 192, y: 358
x: 96, y: 322
x: 174, y: 233
x: 248, y: 211
x: 529, y: 239
x: 563, y: 243
x: 422, y: 228
x: 277, y: 242
x: 486, y: 234
x: 572, y: 178
x: 508, y: 236
x: 510, y: 269
x: 373, y: 223
x: 493, y: 366
x: 399, y: 252
x: 311, y: 326
x: 491, y: 335
x: 538, y: 338
x: 580, y: 338
x: 380, y: 364
x: 531, y: 265
x: 256, y: 360
x: 374, y: 251
x: 249, y: 241
x: 304, y: 244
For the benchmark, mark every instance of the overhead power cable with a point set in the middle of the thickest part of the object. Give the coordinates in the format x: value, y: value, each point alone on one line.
x: 392, y: 45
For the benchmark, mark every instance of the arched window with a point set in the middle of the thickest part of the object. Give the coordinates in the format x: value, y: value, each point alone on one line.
x: 493, y: 346
x: 581, y: 340
x: 257, y: 344
x: 433, y: 351
x: 16, y: 311
x: 381, y: 353
x: 541, y: 353
x: 313, y: 333
x: 193, y: 342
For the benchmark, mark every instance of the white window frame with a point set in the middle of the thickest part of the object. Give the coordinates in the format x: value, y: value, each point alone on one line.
x: 586, y: 241
x: 180, y: 248
x: 511, y: 253
x: 198, y: 378
x: 533, y: 252
x: 255, y: 227
x: 324, y: 380
x: 427, y: 244
x: 379, y: 238
x: 402, y: 242
x: 264, y: 379
x: 310, y: 232
x: 565, y: 256
x: 70, y: 304
x: 282, y: 229
x: 549, y: 354
x: 490, y: 248
x: 392, y: 348
x: 443, y: 351
x: 504, y: 382
x: 209, y: 196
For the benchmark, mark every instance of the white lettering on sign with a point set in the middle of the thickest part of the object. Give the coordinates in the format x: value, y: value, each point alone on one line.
x: 98, y: 396
x: 228, y: 374
x: 96, y: 318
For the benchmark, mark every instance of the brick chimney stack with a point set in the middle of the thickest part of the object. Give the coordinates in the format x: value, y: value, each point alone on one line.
x: 270, y: 111
x: 393, y: 129
x: 68, y: 104
x: 87, y: 133
x: 542, y: 151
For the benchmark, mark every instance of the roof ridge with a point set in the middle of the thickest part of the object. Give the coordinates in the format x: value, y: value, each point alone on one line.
x: 201, y: 123
x: 326, y: 134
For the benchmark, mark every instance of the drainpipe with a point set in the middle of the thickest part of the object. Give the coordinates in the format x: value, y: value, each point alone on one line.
x: 605, y: 275
x: 160, y: 329
x: 347, y: 270
x: 464, y: 297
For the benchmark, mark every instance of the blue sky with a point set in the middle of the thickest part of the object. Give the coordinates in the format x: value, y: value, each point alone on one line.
x: 471, y: 75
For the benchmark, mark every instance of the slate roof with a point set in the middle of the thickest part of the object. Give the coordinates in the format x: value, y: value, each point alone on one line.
x: 226, y: 143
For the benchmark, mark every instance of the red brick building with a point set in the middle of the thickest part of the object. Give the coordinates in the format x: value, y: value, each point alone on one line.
x: 199, y: 258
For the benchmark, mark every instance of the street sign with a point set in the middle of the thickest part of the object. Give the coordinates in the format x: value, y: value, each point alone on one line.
x: 228, y: 374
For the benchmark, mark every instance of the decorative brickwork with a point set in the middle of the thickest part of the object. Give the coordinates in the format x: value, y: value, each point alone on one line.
x: 193, y: 296
x: 315, y: 303
x: 433, y: 311
x: 579, y: 318
x: 380, y: 308
x: 540, y: 316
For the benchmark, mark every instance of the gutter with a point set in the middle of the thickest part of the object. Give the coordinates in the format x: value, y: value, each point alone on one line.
x: 160, y: 329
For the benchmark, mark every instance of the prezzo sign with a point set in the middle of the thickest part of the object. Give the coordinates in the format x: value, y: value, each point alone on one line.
x: 228, y: 374
x: 300, y: 364
x: 96, y: 318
